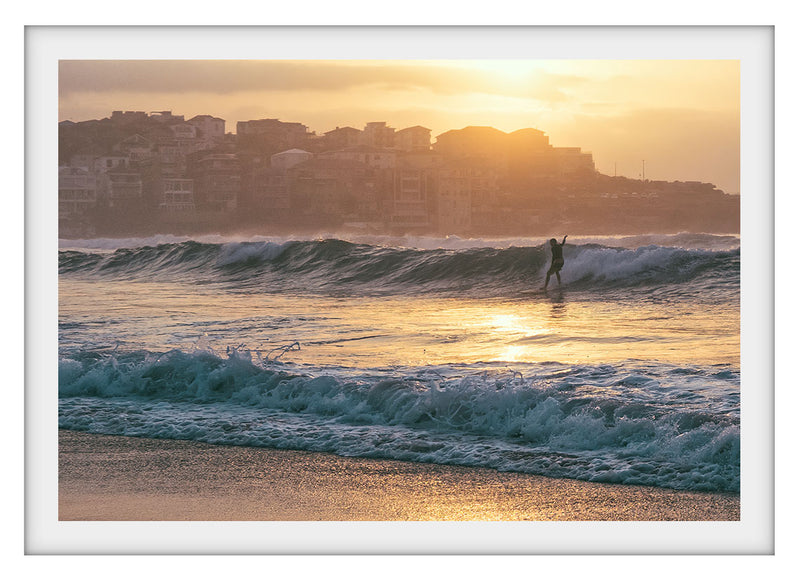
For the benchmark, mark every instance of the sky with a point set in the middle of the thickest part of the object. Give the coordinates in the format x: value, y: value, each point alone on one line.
x: 677, y: 119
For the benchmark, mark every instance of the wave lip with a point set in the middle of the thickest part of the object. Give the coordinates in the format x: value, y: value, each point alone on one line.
x: 593, y: 423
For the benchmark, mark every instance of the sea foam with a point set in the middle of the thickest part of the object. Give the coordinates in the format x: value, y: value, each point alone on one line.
x: 572, y: 425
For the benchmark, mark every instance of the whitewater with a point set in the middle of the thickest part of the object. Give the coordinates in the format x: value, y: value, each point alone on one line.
x: 442, y: 350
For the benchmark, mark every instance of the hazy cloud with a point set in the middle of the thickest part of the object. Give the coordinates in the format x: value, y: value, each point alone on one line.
x: 225, y: 77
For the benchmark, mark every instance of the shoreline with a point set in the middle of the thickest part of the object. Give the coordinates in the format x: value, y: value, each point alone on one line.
x: 117, y: 478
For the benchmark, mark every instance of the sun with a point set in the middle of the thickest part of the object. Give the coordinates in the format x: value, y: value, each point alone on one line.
x: 513, y: 70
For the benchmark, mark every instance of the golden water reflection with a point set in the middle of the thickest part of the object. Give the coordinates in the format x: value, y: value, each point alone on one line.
x: 378, y: 331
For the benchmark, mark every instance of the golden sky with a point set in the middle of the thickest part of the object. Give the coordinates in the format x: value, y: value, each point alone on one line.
x: 680, y: 116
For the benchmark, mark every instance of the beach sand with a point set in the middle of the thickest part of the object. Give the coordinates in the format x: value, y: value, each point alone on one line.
x: 112, y: 478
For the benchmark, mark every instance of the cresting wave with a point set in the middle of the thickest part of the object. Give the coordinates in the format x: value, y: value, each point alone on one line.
x: 334, y: 265
x: 603, y: 423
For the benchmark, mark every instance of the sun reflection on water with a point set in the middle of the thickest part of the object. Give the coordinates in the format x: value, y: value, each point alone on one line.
x: 375, y: 331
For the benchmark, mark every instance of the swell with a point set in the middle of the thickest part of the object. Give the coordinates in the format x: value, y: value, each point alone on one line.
x: 336, y: 265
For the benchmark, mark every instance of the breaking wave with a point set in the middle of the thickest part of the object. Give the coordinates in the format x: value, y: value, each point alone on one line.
x: 336, y: 265
x: 606, y: 423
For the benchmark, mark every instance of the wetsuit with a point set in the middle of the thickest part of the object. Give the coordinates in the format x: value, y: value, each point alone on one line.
x: 558, y: 258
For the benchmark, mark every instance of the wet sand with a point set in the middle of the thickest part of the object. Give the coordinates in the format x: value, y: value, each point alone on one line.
x: 110, y: 478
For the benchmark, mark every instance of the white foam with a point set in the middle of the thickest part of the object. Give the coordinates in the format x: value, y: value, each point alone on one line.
x: 539, y: 424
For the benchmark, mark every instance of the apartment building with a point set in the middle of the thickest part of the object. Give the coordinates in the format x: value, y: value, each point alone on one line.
x: 84, y: 160
x: 136, y: 148
x: 330, y: 190
x: 184, y: 136
x: 269, y: 195
x: 572, y: 162
x: 415, y: 138
x: 485, y: 143
x: 268, y: 187
x: 377, y: 134
x: 177, y: 195
x: 217, y: 181
x: 121, y: 190
x: 409, y: 207
x: 340, y: 138
x: 375, y: 157
x: 110, y: 163
x: 210, y: 130
x: 453, y: 199
x: 77, y: 192
x: 466, y: 195
x: 270, y: 136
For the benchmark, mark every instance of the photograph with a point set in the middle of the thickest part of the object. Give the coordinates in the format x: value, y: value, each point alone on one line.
x: 389, y: 289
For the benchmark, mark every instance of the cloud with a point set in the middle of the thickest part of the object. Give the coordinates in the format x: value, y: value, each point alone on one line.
x: 226, y: 77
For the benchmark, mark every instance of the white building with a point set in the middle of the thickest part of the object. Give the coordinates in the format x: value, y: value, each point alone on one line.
x: 177, y: 195
x: 286, y: 159
x: 77, y: 191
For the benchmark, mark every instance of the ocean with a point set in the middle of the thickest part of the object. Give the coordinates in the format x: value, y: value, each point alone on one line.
x: 433, y: 350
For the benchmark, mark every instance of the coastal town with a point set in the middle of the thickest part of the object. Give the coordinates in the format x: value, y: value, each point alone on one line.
x: 137, y: 173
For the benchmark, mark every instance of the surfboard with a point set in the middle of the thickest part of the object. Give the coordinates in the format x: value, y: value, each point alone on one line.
x: 549, y: 291
x: 534, y: 292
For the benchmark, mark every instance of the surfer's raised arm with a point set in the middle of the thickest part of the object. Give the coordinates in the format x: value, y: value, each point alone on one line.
x: 564, y: 241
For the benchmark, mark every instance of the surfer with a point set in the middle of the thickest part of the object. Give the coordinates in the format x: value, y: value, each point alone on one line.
x: 557, y: 262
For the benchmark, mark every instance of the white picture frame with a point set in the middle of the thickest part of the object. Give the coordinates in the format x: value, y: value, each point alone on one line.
x: 753, y: 534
